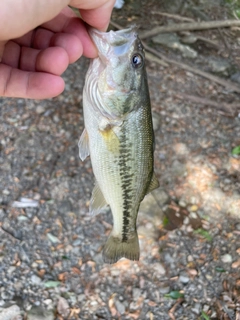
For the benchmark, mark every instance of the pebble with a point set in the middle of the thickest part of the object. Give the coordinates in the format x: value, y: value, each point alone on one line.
x: 178, y: 169
x: 236, y: 77
x: 164, y: 290
x: 159, y: 268
x: 35, y: 279
x: 11, y: 269
x: 136, y: 293
x: 193, y: 208
x: 160, y: 196
x: 156, y: 119
x: 120, y: 307
x: 206, y: 308
x: 186, y: 220
x: 11, y: 313
x: 226, y: 258
x: 63, y: 307
x: 182, y: 203
x: 40, y: 109
x: 183, y: 278
x: 171, y: 40
x: 238, y: 226
x: 38, y: 313
x: 197, y: 308
x: 221, y: 66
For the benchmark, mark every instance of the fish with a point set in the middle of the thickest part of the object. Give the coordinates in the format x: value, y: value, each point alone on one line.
x: 118, y: 136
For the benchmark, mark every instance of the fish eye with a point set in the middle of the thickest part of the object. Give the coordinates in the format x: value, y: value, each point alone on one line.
x: 137, y: 61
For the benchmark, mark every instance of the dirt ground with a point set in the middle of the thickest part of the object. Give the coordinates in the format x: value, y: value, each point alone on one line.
x: 189, y: 229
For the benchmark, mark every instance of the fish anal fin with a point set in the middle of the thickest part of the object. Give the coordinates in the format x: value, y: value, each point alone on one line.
x: 97, y: 202
x: 83, y: 146
x: 116, y: 249
x: 154, y: 184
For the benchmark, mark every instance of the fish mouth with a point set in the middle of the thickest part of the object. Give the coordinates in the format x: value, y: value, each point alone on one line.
x: 119, y: 41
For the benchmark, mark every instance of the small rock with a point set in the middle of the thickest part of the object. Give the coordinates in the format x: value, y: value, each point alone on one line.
x: 52, y: 238
x: 186, y: 220
x: 206, y: 308
x: 48, y: 302
x: 65, y: 206
x: 171, y: 40
x: 40, y: 109
x: 56, y: 118
x: 38, y: 313
x: 81, y: 297
x: 136, y: 293
x: 183, y: 278
x: 76, y: 242
x: 197, y: 308
x: 120, y: 307
x: 159, y: 268
x: 11, y: 269
x: 193, y: 208
x: 164, y: 290
x: 220, y: 66
x: 115, y: 272
x: 181, y: 149
x: 11, y: 313
x: 182, y: 203
x: 226, y: 258
x: 156, y: 119
x: 63, y: 307
x: 178, y: 169
x: 160, y: 196
x: 236, y: 77
x: 35, y: 279
x: 151, y: 209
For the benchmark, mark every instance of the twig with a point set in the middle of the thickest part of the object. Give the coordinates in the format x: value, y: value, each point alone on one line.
x: 231, y: 108
x: 8, y: 233
x: 190, y: 26
x: 227, y: 84
x: 199, y: 38
x: 116, y: 25
x: 153, y: 58
x: 173, y: 16
x: 212, y: 43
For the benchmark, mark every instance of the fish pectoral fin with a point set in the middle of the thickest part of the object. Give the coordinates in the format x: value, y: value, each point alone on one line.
x: 83, y: 145
x: 116, y: 249
x: 97, y: 202
x: 154, y: 184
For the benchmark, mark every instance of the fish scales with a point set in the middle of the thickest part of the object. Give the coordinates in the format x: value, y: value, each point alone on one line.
x: 118, y: 136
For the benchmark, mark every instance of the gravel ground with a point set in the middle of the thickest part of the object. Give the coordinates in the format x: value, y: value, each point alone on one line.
x: 189, y: 229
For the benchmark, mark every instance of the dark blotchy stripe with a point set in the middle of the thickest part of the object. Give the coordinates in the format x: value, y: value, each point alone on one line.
x: 126, y: 179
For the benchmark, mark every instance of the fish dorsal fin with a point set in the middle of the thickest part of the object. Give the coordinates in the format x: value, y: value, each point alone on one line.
x: 154, y: 184
x: 97, y: 202
x: 83, y: 146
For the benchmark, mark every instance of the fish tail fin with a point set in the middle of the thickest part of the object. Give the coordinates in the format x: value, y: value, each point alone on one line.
x: 115, y: 248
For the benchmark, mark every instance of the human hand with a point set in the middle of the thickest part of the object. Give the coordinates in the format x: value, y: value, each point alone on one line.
x: 39, y: 39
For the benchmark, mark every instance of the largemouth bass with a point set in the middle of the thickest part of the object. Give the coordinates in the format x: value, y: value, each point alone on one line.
x: 118, y: 136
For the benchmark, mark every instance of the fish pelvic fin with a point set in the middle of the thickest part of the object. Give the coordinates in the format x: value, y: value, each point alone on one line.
x: 115, y: 248
x: 97, y: 202
x: 83, y: 146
